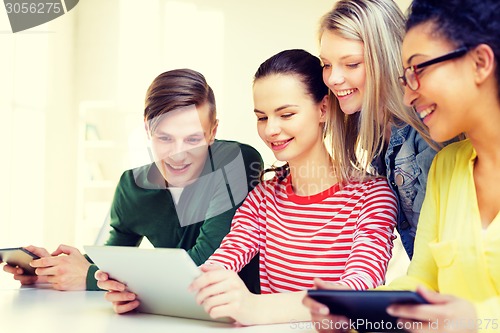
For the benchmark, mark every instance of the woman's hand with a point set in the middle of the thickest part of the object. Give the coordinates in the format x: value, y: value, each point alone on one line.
x: 320, y: 314
x: 123, y: 301
x: 444, y: 313
x: 223, y: 294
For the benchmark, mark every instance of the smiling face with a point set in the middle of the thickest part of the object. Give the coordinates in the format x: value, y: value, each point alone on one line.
x: 179, y: 143
x: 447, y: 89
x: 343, y: 69
x: 289, y: 121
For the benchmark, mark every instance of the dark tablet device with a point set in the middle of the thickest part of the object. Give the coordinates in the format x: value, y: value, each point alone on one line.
x: 366, y: 309
x: 19, y: 256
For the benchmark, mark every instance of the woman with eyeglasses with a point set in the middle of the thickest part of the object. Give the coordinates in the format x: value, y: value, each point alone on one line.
x: 451, y: 51
x: 360, y: 47
x: 452, y: 77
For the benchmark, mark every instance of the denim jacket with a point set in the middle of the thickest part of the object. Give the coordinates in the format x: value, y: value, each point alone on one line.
x: 406, y: 164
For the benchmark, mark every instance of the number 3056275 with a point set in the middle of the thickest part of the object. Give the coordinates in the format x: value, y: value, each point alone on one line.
x: 33, y: 8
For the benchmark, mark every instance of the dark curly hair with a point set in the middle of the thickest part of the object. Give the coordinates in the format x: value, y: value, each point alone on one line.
x: 463, y: 22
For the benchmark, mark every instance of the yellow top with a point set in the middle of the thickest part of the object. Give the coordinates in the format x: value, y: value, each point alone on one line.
x: 453, y: 253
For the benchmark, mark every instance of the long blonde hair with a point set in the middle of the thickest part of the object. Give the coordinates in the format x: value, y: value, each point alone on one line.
x: 380, y: 25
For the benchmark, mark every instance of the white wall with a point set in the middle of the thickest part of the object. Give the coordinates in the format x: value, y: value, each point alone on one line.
x: 111, y: 50
x: 225, y: 40
x: 36, y: 133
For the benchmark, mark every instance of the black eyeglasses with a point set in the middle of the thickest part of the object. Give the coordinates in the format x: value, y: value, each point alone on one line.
x: 410, y: 76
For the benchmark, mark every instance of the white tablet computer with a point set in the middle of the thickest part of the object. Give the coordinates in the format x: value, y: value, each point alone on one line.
x: 159, y: 277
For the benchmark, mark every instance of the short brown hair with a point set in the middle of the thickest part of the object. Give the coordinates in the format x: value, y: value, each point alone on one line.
x: 176, y: 89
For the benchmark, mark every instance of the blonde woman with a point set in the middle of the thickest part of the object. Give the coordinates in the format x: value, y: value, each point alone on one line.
x: 360, y: 47
x: 451, y: 78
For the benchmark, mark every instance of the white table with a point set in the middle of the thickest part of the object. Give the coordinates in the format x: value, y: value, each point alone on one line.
x: 43, y: 310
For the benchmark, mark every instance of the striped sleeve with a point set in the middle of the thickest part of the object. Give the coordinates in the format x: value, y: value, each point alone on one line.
x: 373, y: 237
x: 241, y: 244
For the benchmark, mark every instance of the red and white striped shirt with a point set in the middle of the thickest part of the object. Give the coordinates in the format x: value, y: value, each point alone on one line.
x: 340, y: 235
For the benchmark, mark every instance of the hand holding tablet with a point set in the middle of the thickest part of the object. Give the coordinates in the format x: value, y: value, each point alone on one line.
x: 19, y: 257
x: 366, y: 309
x: 164, y: 289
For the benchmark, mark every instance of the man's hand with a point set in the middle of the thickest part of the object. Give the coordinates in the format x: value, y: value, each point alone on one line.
x: 123, y: 301
x: 19, y: 273
x: 66, y: 268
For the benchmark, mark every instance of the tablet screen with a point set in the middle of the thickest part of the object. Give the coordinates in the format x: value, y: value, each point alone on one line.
x: 366, y: 309
x: 160, y: 277
x: 19, y: 257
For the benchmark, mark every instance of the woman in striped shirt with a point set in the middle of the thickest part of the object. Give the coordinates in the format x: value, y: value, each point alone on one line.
x: 307, y: 221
